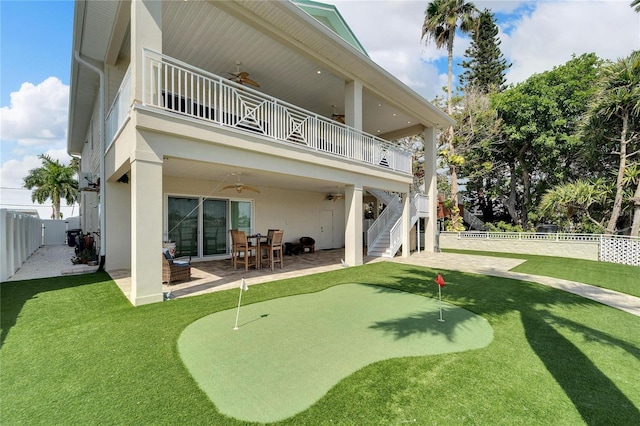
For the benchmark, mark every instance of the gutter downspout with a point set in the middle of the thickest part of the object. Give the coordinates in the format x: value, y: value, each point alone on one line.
x: 101, y: 118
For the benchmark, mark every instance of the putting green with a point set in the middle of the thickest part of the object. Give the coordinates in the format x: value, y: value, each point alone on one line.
x: 289, y: 352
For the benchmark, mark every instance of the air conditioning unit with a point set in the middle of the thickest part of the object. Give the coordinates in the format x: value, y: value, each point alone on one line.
x: 88, y: 182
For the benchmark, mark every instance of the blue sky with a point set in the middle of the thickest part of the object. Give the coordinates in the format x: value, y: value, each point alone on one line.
x: 35, y: 60
x: 35, y: 43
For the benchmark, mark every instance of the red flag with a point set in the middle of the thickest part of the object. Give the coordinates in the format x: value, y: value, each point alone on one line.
x: 440, y: 280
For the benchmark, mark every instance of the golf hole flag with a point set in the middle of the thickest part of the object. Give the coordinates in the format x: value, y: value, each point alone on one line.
x: 243, y: 287
x: 440, y: 281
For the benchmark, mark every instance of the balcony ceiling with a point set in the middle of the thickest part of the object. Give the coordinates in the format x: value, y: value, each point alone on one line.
x: 276, y: 55
x: 217, y: 173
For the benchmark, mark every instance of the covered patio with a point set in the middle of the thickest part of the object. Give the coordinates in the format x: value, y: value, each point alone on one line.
x: 216, y: 275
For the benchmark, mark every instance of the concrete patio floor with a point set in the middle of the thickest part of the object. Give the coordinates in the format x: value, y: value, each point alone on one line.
x: 216, y: 275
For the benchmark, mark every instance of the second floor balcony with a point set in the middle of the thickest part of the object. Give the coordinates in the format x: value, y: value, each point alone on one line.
x: 177, y: 87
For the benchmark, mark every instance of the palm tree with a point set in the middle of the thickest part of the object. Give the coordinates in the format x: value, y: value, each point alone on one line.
x: 53, y: 180
x: 570, y: 198
x: 442, y: 19
x: 615, y: 113
x: 635, y: 4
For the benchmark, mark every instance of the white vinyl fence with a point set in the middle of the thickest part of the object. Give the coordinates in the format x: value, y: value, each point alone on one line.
x: 606, y: 248
x: 20, y: 236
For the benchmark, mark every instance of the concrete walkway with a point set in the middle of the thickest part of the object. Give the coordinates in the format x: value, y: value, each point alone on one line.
x: 52, y: 261
x: 499, y: 267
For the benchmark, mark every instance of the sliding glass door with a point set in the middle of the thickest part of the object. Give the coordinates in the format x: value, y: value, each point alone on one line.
x: 183, y: 225
x: 241, y: 216
x: 200, y: 226
x: 215, y: 227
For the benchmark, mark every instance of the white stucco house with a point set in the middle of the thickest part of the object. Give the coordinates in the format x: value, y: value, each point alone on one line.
x: 168, y: 143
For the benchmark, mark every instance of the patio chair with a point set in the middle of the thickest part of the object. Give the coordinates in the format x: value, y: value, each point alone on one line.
x: 308, y: 243
x: 175, y: 269
x: 242, y: 251
x: 274, y: 249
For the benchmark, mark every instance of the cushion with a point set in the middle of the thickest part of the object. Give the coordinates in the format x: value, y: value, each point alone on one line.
x: 166, y: 253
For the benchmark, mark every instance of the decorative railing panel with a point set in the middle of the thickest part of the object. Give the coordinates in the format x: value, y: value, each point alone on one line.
x: 620, y: 250
x: 179, y: 87
x: 527, y: 236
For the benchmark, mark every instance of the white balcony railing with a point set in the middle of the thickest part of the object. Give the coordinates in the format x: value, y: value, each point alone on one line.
x: 119, y: 110
x: 176, y: 86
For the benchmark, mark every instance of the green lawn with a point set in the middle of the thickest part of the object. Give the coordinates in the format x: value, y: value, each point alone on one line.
x: 614, y: 276
x: 75, y: 352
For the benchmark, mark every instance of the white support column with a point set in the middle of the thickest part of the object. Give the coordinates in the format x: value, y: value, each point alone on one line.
x: 146, y: 31
x: 406, y: 224
x: 146, y: 229
x: 353, y: 245
x: 118, y: 225
x: 353, y: 104
x: 430, y: 188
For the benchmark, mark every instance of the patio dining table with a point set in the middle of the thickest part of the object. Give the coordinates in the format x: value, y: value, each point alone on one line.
x: 258, y: 238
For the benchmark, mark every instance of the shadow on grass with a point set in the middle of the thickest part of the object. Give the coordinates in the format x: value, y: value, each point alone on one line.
x: 15, y: 294
x: 426, y: 323
x: 594, y: 395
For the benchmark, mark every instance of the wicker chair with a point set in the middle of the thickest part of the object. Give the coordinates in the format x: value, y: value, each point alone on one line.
x: 174, y: 269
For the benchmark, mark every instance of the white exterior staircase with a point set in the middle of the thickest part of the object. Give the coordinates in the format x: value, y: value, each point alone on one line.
x: 384, y: 236
x: 473, y: 221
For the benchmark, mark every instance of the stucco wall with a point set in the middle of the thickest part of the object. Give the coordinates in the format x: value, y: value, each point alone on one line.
x: 298, y: 213
x: 573, y: 249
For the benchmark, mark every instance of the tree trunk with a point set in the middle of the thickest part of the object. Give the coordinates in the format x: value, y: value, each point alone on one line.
x: 635, y: 227
x: 453, y: 169
x: 56, y: 208
x: 617, y: 202
x: 511, y: 203
x: 526, y: 184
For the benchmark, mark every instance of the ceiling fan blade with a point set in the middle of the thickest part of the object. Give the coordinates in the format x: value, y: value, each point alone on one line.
x: 250, y: 188
x: 229, y: 187
x: 247, y: 80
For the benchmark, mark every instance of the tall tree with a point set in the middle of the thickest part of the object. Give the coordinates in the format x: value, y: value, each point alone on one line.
x: 442, y: 19
x: 635, y: 4
x: 539, y: 135
x: 613, y: 120
x: 53, y: 180
x: 486, y: 67
x: 477, y: 127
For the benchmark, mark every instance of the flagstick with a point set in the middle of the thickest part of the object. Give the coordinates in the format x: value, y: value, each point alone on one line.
x: 440, y: 294
x: 239, y: 300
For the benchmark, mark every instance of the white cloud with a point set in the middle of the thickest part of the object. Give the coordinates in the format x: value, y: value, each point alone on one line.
x: 37, y: 115
x: 390, y: 32
x: 34, y: 123
x: 536, y: 36
x: 553, y: 31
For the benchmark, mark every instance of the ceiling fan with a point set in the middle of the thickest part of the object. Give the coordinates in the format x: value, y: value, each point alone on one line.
x: 239, y: 186
x: 335, y: 197
x: 242, y: 77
